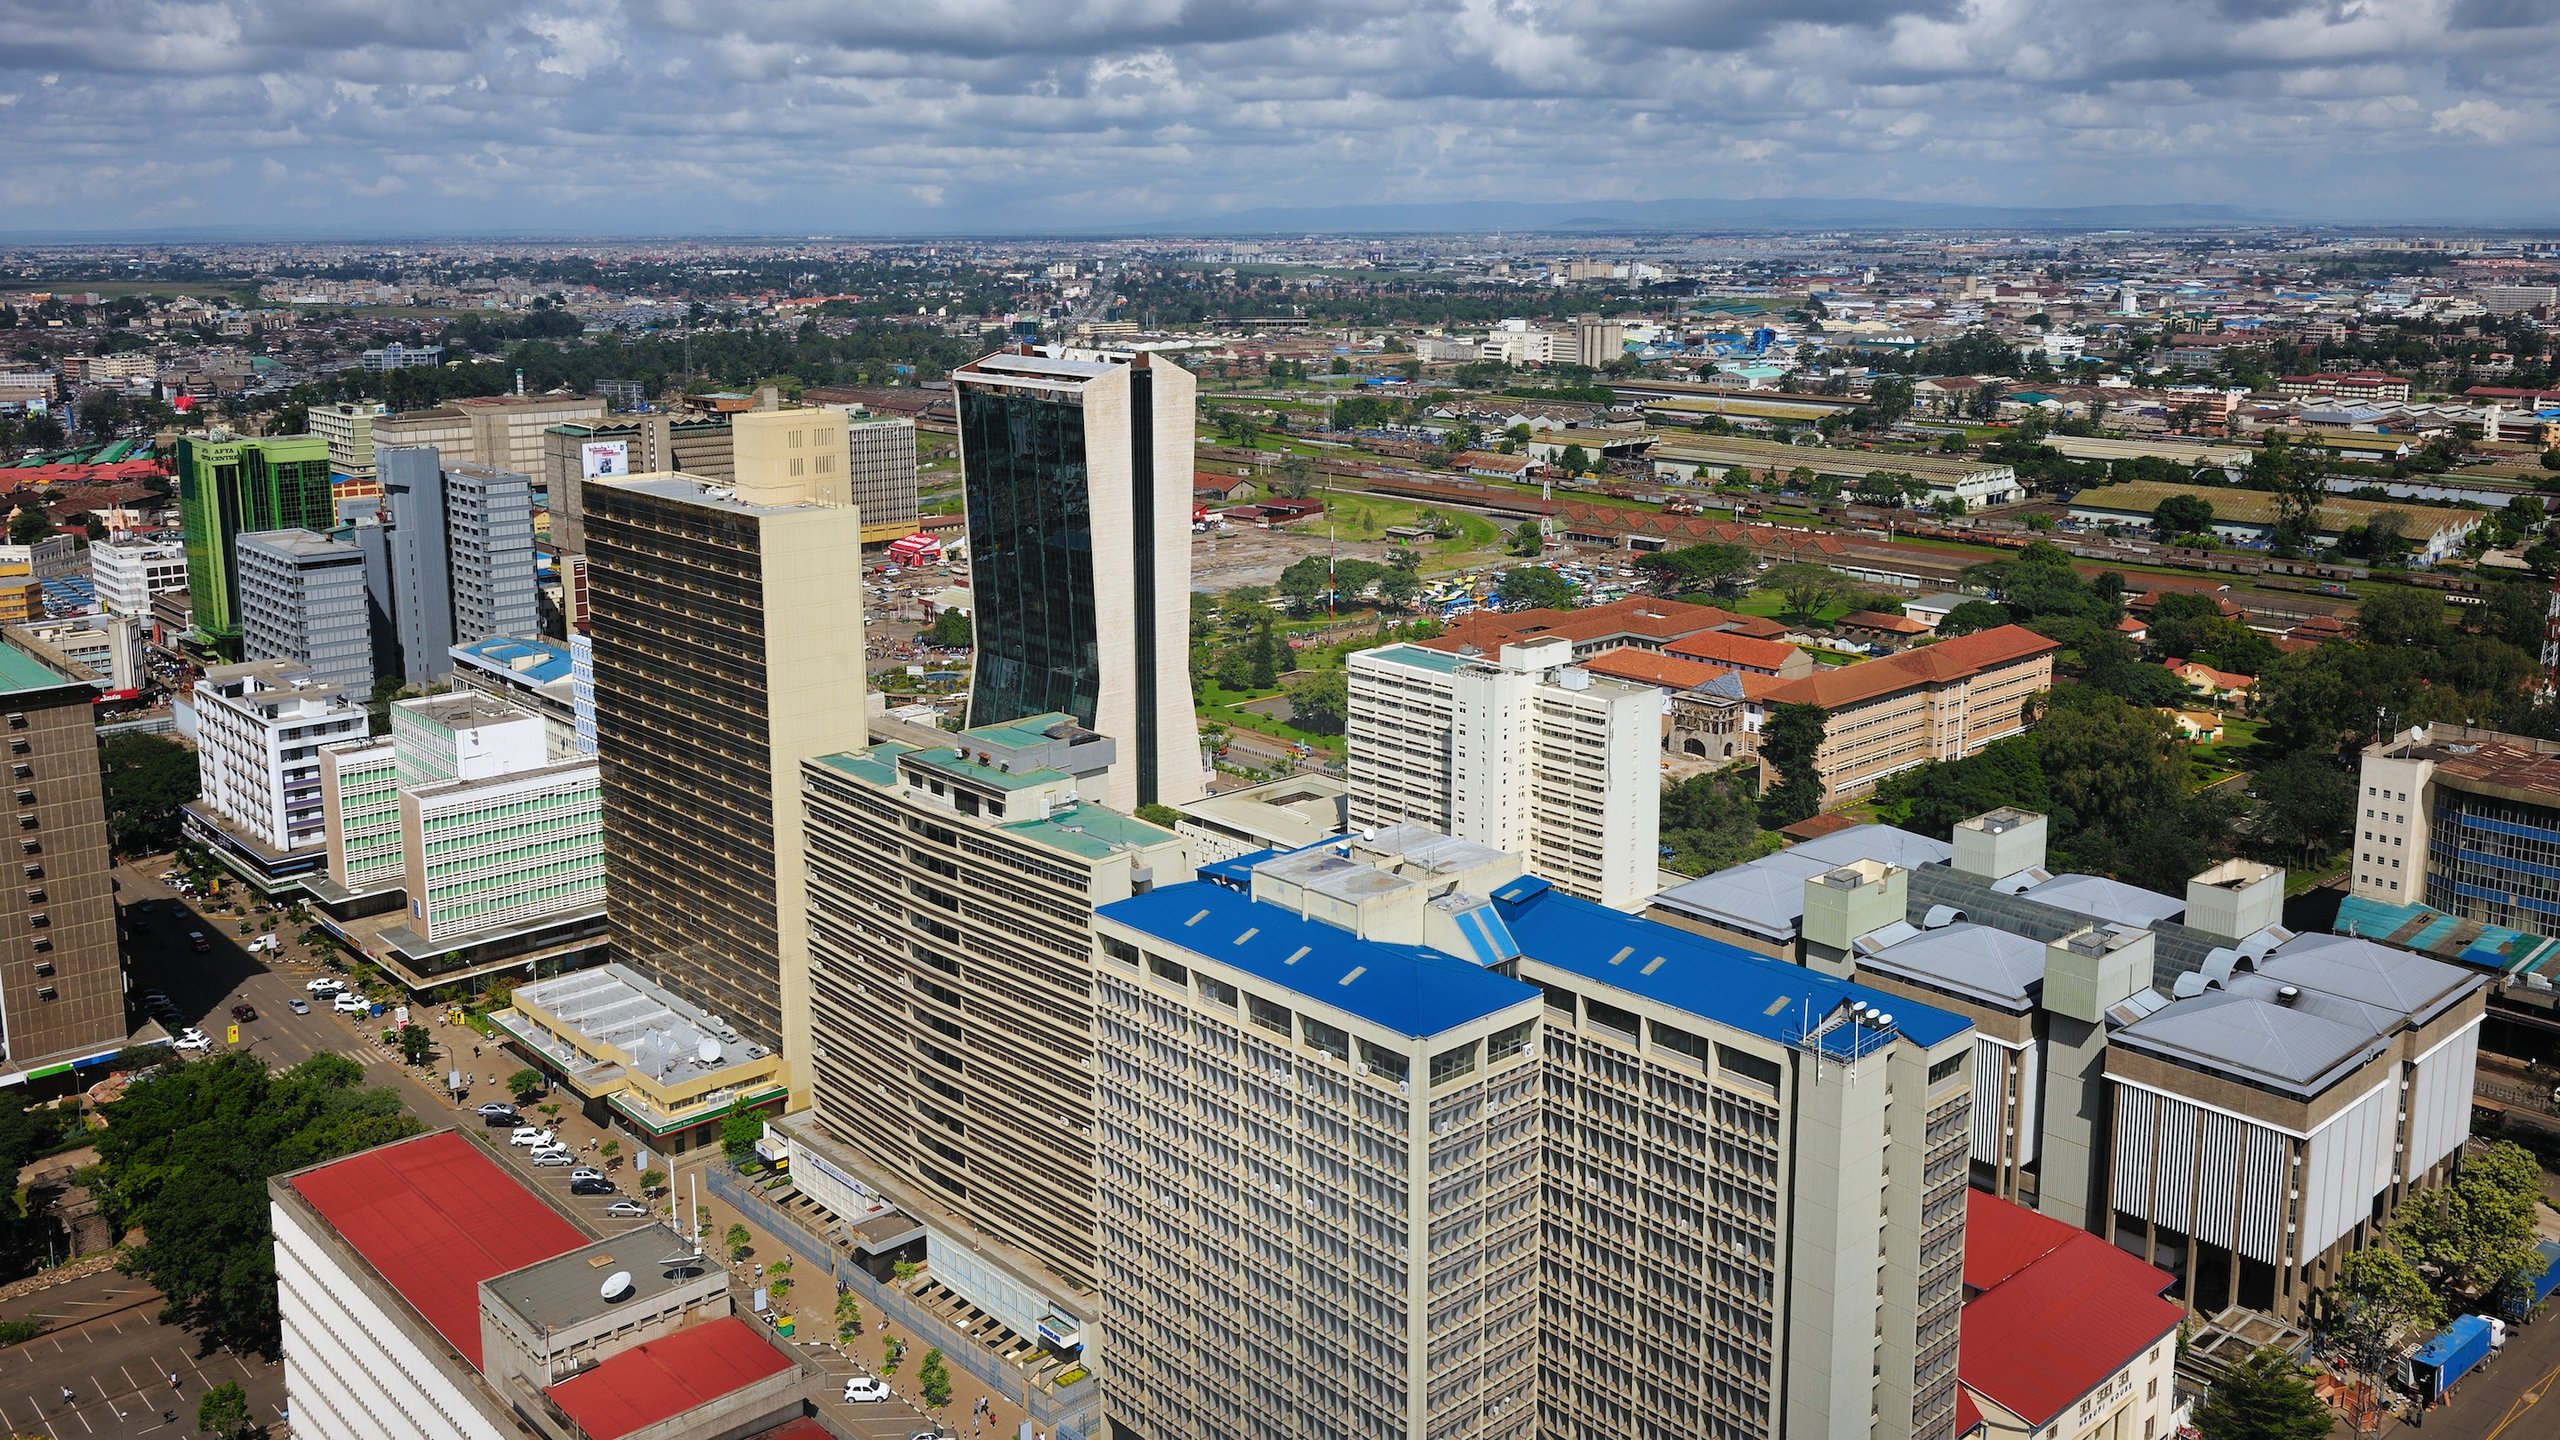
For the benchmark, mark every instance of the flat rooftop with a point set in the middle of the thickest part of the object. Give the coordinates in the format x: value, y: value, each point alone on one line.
x: 536, y: 662
x: 21, y: 673
x: 461, y: 709
x: 709, y: 494
x: 567, y: 1289
x: 657, y: 1380
x: 434, y: 1217
x: 615, y: 1009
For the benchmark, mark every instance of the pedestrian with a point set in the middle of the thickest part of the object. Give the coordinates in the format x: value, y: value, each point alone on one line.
x: 67, y: 1396
x: 173, y: 1379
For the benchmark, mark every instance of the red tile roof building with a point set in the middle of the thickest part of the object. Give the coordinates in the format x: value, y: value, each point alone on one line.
x: 657, y: 1380
x: 1641, y: 622
x: 1938, y: 702
x: 2061, y: 1329
x: 1741, y: 652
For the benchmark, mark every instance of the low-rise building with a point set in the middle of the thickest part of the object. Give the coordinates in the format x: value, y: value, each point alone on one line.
x: 2065, y: 1336
x: 2248, y: 517
x: 129, y: 572
x: 644, y: 1060
x: 1941, y: 701
x: 533, y: 674
x: 107, y: 646
x: 1285, y: 814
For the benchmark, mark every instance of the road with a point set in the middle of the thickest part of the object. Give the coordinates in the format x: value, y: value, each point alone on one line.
x: 204, y: 987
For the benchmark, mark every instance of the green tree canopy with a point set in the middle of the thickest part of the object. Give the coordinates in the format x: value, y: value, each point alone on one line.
x: 1536, y: 587
x: 1932, y: 798
x: 1695, y: 567
x: 147, y: 779
x: 2182, y: 515
x: 1802, y: 587
x: 950, y: 629
x: 1712, y: 821
x: 1790, y: 744
x: 1970, y: 616
x: 186, y: 1156
x: 740, y: 1129
x: 2263, y: 1398
x: 2306, y: 808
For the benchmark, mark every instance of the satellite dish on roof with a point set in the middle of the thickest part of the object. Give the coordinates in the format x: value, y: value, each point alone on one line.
x: 708, y: 1052
x: 617, y: 1286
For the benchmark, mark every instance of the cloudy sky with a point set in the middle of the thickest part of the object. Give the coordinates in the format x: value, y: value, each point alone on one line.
x: 901, y: 116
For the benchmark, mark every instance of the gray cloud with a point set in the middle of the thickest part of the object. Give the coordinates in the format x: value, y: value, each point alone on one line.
x: 803, y: 115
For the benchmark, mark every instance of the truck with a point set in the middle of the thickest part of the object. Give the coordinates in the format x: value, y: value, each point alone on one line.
x: 2441, y: 1363
x: 2526, y: 1293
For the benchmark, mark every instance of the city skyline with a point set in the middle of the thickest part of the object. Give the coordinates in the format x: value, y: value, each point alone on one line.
x: 302, y: 118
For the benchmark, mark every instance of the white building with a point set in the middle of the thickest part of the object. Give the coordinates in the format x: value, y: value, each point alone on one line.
x: 51, y: 558
x: 129, y: 572
x: 259, y: 730
x: 107, y: 646
x: 347, y: 426
x: 1523, y: 752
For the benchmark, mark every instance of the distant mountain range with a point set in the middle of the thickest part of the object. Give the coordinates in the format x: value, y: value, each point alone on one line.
x: 1486, y: 216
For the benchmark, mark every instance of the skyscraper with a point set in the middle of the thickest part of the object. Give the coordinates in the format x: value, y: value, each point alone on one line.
x: 302, y: 598
x: 1077, y: 466
x: 451, y: 559
x: 727, y: 628
x: 228, y: 485
x: 62, y: 996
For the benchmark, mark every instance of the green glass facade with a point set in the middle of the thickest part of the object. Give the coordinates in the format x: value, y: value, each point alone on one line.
x: 227, y: 488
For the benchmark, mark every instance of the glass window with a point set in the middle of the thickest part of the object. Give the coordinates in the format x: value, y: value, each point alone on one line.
x: 1031, y: 556
x: 1331, y: 1039
x: 1451, y: 1063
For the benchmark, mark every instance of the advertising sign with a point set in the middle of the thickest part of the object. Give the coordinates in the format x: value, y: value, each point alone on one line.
x: 604, y: 457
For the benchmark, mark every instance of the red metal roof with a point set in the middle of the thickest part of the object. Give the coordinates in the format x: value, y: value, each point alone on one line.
x: 435, y: 1217
x: 2052, y: 1311
x: 658, y: 1380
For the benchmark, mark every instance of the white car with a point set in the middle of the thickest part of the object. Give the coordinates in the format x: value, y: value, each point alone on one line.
x: 325, y: 985
x: 531, y: 1135
x: 348, y: 1003
x: 557, y: 1155
x: 863, y: 1389
x: 194, y: 1042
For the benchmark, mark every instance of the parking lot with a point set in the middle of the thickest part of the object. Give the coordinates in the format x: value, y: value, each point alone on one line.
x: 116, y: 1360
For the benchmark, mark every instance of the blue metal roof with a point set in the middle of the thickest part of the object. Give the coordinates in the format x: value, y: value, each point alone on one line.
x: 549, y: 662
x: 1409, y: 989
x: 1714, y: 981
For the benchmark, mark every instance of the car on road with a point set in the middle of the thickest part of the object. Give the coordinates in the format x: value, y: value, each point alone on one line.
x: 196, y: 938
x: 244, y: 1012
x: 531, y: 1135
x: 324, y: 985
x: 193, y: 1042
x: 865, y: 1389
x: 590, y: 1187
x: 549, y: 1158
x: 626, y: 1209
x: 496, y: 1107
x: 348, y: 1003
x: 297, y: 1005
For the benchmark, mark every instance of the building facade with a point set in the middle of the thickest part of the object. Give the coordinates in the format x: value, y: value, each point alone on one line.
x: 129, y: 572
x: 62, y: 991
x: 2464, y: 821
x: 302, y: 598
x: 452, y: 558
x: 260, y: 727
x: 346, y: 427
x: 1942, y: 701
x: 951, y: 894
x: 1077, y: 466
x: 727, y: 649
x: 881, y: 453
x: 229, y: 486
x: 1522, y: 751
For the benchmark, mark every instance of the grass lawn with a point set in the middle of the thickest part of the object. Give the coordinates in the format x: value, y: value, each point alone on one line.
x: 1235, y: 718
x: 1771, y: 604
x: 2238, y: 735
x: 246, y: 292
x: 1368, y: 517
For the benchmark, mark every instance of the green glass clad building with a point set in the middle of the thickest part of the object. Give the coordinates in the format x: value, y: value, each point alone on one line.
x: 231, y: 486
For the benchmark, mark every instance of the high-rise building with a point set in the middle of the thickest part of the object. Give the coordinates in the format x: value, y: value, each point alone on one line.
x: 302, y: 598
x: 728, y: 648
x: 62, y: 994
x: 532, y: 674
x: 1522, y: 751
x: 260, y: 727
x: 347, y: 428
x: 451, y: 560
x: 1077, y: 468
x: 129, y: 572
x: 951, y: 891
x: 1369, y: 1108
x: 228, y: 486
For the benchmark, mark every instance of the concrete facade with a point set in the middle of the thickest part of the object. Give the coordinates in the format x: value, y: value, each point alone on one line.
x: 259, y: 731
x: 62, y: 991
x: 302, y: 598
x: 129, y: 572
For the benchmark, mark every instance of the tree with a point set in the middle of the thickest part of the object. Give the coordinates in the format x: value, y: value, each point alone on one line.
x: 416, y: 1045
x: 1790, y: 744
x: 1890, y: 399
x: 147, y: 779
x: 1804, y: 588
x: 740, y: 1129
x: 950, y: 629
x: 1528, y: 538
x: 185, y: 1158
x: 224, y: 1410
x: 2378, y: 1296
x: 1970, y: 616
x: 2300, y: 485
x: 1710, y: 822
x: 738, y: 1241
x: 2112, y: 762
x: 1535, y: 587
x: 935, y: 1377
x: 31, y: 523
x: 2006, y: 772
x: 848, y: 1315
x: 2306, y: 808
x: 1320, y: 702
x: 2477, y: 1233
x: 1575, y: 460
x: 2263, y: 1398
x: 525, y: 1084
x: 1695, y: 567
x: 1164, y: 816
x: 2182, y: 515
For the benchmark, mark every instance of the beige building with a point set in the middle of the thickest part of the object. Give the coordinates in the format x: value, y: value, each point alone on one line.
x: 501, y: 431
x: 728, y: 649
x: 951, y: 893
x: 1942, y: 701
x: 62, y: 994
x: 347, y: 426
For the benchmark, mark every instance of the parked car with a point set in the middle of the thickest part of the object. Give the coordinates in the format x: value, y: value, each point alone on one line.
x: 864, y: 1389
x: 591, y: 1187
x: 348, y: 1003
x: 626, y: 1209
x: 549, y: 1158
x: 500, y: 1120
x: 324, y: 985
x: 497, y: 1107
x: 244, y: 1012
x: 586, y: 1172
x: 531, y: 1135
x: 196, y: 938
x: 155, y: 997
x: 297, y: 1005
x: 193, y: 1042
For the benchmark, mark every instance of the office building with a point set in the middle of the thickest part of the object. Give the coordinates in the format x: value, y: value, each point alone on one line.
x: 55, y: 557
x: 346, y: 426
x: 229, y: 486
x: 1942, y: 701
x: 129, y: 572
x: 1369, y: 1108
x: 727, y: 649
x: 396, y: 356
x: 951, y: 890
x: 302, y: 598
x: 2518, y: 299
x: 500, y: 431
x: 452, y: 559
x: 427, y: 1294
x: 1077, y: 466
x: 2463, y: 821
x: 532, y: 674
x: 1522, y: 751
x: 259, y: 731
x: 578, y: 451
x: 108, y: 647
x: 881, y: 451
x: 62, y: 993
x: 665, y: 1072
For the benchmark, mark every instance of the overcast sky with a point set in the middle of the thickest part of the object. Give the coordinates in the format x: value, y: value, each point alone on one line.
x: 859, y: 116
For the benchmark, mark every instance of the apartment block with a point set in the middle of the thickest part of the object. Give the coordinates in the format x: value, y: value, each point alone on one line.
x: 62, y: 991
x: 727, y: 650
x: 1941, y: 701
x: 227, y: 487
x: 129, y: 572
x: 1077, y: 470
x: 951, y: 892
x: 259, y: 731
x: 346, y: 427
x: 2463, y: 821
x: 302, y: 598
x: 1745, y: 1201
x: 1522, y: 751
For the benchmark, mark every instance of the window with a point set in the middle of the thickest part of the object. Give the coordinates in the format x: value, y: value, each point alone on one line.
x: 1622, y: 1021
x: 1120, y: 950
x: 1510, y: 1040
x: 1331, y: 1039
x: 1383, y: 1062
x: 1453, y: 1062
x: 1747, y: 1066
x: 1216, y: 992
x: 1271, y: 1017
x: 1164, y: 969
x: 1946, y: 1069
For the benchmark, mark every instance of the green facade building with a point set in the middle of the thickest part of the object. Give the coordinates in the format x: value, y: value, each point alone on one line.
x: 231, y: 486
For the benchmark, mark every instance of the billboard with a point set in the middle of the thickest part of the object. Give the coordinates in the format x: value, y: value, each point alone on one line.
x: 604, y: 457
